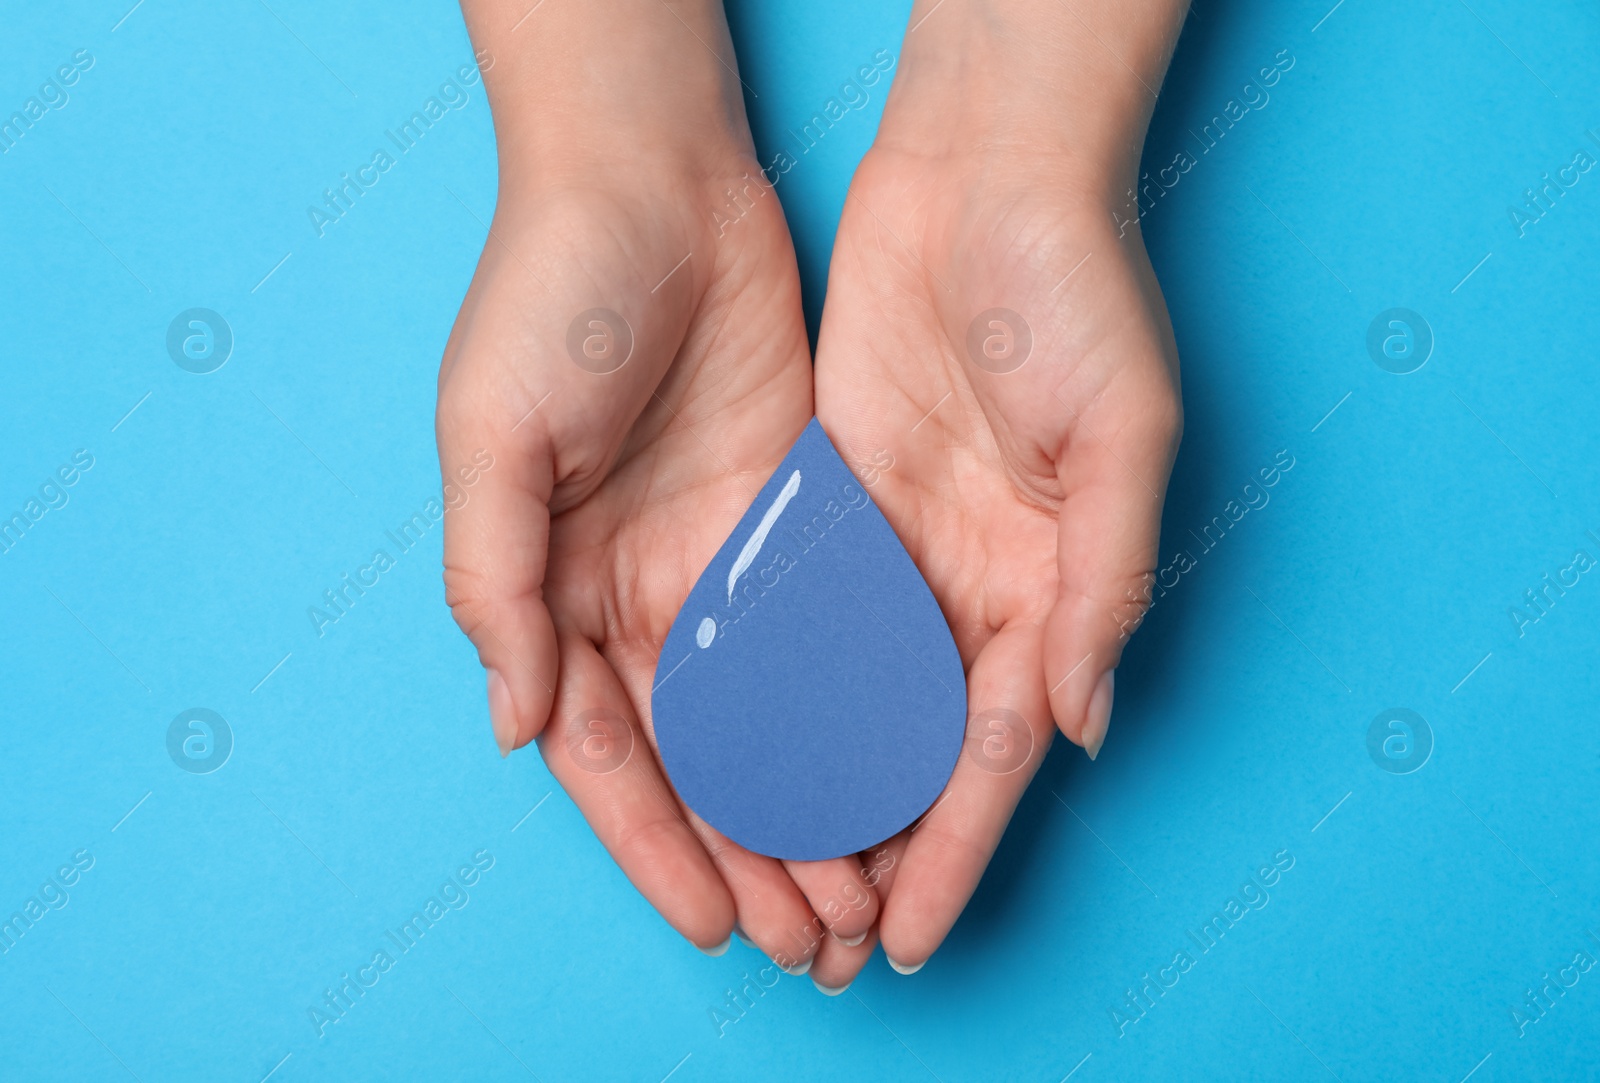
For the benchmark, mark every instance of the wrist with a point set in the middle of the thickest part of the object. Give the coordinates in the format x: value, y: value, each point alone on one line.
x: 1035, y: 84
x: 608, y: 88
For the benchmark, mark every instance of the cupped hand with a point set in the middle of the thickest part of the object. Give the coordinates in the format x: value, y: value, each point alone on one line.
x: 632, y: 358
x: 1002, y: 358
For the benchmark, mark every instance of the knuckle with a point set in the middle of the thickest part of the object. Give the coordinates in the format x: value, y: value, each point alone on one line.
x: 717, y: 846
x: 1164, y: 416
x: 465, y: 594
x: 457, y: 406
x: 1138, y: 591
x: 636, y: 843
x: 953, y: 848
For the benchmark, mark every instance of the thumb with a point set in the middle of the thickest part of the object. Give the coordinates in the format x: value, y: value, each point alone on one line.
x: 1108, y: 536
x: 496, y: 544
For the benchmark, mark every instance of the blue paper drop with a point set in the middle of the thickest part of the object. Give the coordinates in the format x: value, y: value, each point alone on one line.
x: 809, y: 701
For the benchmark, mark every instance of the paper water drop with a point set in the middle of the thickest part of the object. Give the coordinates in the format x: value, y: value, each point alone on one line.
x: 809, y: 701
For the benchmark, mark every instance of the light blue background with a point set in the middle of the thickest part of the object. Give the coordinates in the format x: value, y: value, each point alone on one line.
x: 1381, y: 573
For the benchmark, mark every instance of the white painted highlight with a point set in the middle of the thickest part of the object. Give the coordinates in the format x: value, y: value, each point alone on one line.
x: 747, y: 555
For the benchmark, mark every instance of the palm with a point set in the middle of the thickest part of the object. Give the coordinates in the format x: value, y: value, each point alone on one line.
x: 627, y: 545
x: 1009, y: 488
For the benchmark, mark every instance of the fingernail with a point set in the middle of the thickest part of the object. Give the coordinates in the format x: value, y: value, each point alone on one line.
x: 719, y: 949
x: 799, y: 969
x: 850, y: 941
x: 901, y: 968
x: 828, y: 990
x: 502, y: 713
x: 743, y: 939
x: 1094, y: 726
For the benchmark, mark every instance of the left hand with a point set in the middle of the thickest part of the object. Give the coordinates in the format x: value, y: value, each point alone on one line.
x: 1027, y: 477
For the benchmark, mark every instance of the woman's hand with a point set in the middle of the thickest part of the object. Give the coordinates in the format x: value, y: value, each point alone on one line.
x: 994, y: 336
x: 633, y: 357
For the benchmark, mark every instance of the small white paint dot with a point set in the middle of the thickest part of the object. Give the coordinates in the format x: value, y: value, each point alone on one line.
x: 704, y: 634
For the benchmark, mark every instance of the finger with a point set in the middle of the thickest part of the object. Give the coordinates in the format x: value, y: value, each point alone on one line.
x: 844, y: 903
x: 880, y: 864
x: 496, y: 543
x: 773, y: 915
x: 837, y: 964
x: 1113, y: 471
x: 597, y: 752
x: 772, y: 912
x: 1008, y: 732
